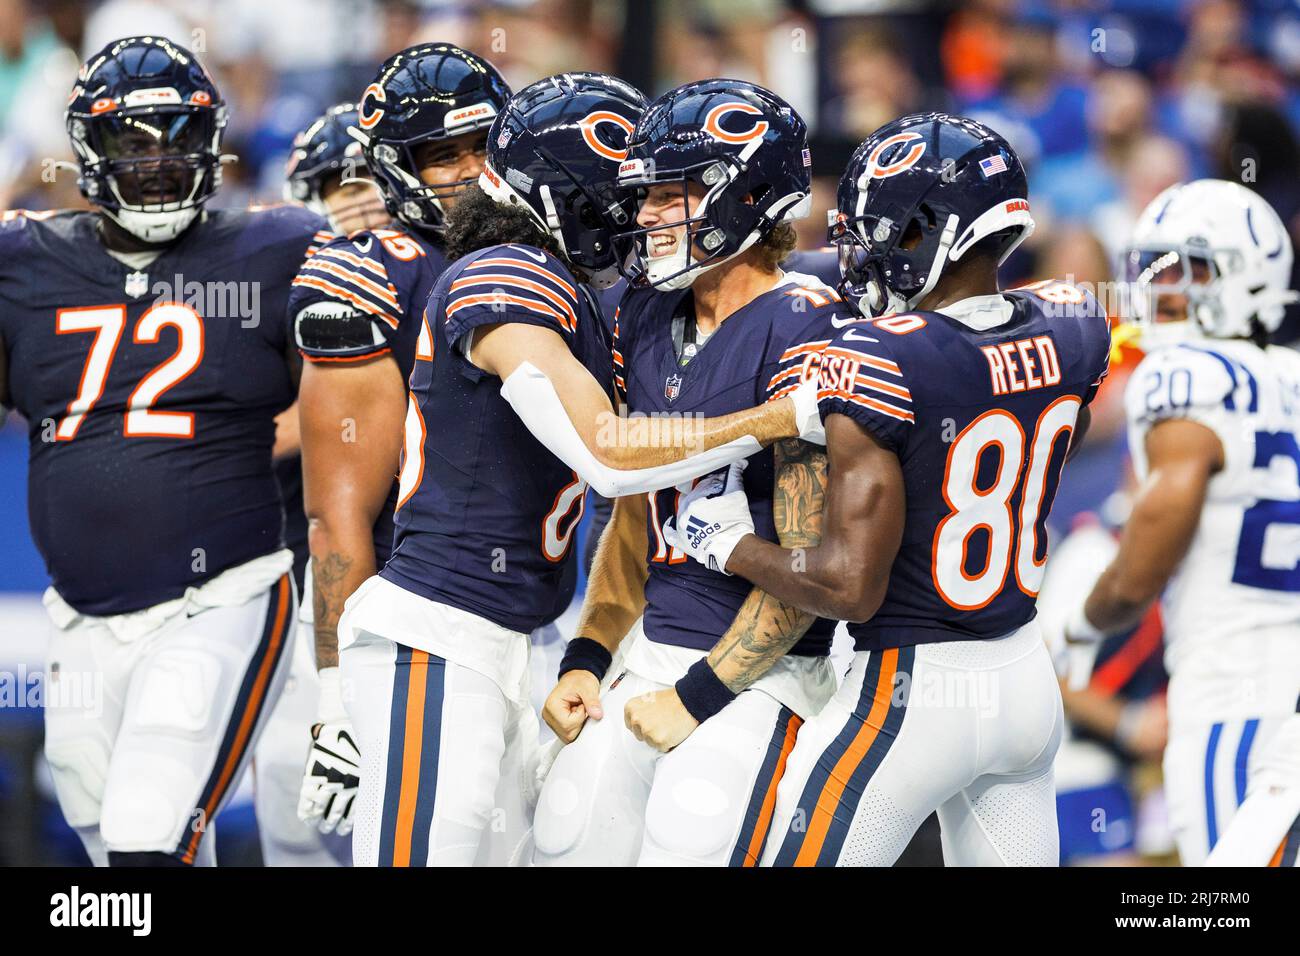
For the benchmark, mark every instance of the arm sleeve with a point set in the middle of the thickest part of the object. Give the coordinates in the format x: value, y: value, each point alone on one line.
x: 534, y: 399
x: 859, y: 377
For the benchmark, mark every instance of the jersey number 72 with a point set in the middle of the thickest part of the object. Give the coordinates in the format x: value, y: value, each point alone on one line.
x: 107, y: 322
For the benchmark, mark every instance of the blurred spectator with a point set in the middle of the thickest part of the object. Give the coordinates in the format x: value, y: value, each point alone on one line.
x: 876, y: 82
x: 1154, y: 164
x: 37, y: 69
x: 1118, y: 115
x: 1033, y: 94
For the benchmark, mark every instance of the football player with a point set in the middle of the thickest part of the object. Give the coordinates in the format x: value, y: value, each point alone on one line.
x: 509, y: 420
x: 949, y: 409
x: 356, y: 310
x: 1214, y: 420
x: 144, y: 343
x: 326, y: 174
x: 721, y: 168
x: 323, y: 174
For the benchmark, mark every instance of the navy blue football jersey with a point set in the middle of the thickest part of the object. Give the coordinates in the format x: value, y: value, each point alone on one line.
x: 981, y: 422
x: 150, y: 396
x: 383, y: 277
x: 486, y: 514
x: 760, y: 353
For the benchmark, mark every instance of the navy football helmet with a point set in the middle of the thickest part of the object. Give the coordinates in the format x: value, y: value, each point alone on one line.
x: 320, y: 152
x: 556, y: 151
x: 323, y: 154
x: 918, y: 194
x: 427, y: 92
x: 146, y: 123
x: 744, y: 146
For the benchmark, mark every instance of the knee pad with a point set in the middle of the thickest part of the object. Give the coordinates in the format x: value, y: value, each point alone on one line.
x: 564, y: 802
x: 79, y: 766
x: 699, y: 797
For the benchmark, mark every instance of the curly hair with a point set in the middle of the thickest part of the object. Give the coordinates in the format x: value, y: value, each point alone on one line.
x: 477, y: 221
x: 776, y: 246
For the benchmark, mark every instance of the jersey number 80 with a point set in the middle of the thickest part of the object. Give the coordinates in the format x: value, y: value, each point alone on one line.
x: 1012, y: 539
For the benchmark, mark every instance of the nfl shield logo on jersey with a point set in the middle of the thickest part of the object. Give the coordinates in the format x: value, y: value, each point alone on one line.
x: 672, y: 385
x: 137, y: 284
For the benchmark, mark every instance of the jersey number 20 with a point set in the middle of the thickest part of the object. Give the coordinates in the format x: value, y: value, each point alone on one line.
x: 1012, y: 539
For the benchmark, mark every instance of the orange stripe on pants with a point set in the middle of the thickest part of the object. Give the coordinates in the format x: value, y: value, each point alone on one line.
x: 769, y: 798
x: 829, y: 799
x: 412, y: 745
x: 248, y: 719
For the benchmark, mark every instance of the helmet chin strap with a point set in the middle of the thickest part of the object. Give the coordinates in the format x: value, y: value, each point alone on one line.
x: 154, y: 227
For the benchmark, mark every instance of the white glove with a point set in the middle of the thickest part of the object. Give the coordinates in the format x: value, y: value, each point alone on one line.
x: 806, y: 416
x: 712, y: 518
x: 329, y: 784
x: 1082, y: 641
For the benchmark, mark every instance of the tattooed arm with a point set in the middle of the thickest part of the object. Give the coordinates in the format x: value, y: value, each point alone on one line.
x: 351, y: 424
x: 764, y: 628
x: 845, y: 577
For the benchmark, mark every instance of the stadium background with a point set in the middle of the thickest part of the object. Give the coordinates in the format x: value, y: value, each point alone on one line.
x: 1107, y: 103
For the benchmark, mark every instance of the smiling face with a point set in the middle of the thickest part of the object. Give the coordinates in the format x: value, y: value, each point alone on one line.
x: 445, y: 162
x: 665, y: 205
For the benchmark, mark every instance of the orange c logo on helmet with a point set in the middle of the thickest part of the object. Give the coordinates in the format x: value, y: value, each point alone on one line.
x: 713, y: 123
x: 907, y: 161
x: 368, y: 120
x: 588, y: 126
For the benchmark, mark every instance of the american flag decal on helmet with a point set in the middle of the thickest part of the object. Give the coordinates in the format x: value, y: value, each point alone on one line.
x: 993, y: 165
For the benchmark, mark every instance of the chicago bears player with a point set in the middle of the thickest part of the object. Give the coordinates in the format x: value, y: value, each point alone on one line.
x: 949, y: 411
x: 356, y: 310
x: 323, y: 174
x: 509, y: 420
x: 143, y: 343
x: 1214, y: 420
x: 722, y: 169
x: 326, y: 174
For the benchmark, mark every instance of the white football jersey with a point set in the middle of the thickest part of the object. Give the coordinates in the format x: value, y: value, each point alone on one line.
x: 1232, y: 611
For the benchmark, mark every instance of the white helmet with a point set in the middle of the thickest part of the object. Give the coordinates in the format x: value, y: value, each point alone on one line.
x: 1220, y: 245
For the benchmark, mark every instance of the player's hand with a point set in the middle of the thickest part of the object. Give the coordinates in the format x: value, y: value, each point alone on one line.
x: 575, y: 697
x: 1143, y: 728
x: 806, y: 416
x: 660, y: 719
x: 712, y: 518
x: 329, y: 784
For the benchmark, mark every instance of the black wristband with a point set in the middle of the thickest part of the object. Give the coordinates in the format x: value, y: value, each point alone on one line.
x: 584, y: 654
x: 701, y: 691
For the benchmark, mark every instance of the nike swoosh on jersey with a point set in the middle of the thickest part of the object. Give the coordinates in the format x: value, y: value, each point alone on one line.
x: 843, y: 323
x: 536, y: 257
x: 852, y: 335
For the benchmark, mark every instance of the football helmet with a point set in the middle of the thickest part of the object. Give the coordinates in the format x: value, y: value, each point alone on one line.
x: 555, y: 150
x: 948, y: 179
x: 146, y: 123
x: 1223, y: 249
x: 321, y: 152
x: 743, y: 147
x: 427, y: 92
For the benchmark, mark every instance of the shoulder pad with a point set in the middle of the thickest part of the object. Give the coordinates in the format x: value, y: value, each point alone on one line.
x: 1182, y: 380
